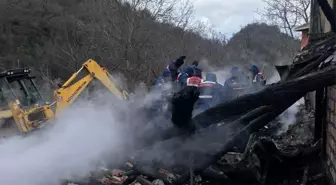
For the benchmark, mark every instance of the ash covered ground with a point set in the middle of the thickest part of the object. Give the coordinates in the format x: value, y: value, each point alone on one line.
x: 299, y: 131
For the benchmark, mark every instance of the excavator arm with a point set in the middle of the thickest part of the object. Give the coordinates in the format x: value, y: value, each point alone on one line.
x: 71, y: 89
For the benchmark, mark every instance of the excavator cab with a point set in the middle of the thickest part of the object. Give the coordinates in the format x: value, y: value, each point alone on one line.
x: 18, y: 85
x: 20, y: 99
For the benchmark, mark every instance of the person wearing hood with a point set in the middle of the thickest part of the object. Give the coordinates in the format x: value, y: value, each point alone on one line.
x: 174, y: 67
x: 258, y: 79
x: 211, y: 92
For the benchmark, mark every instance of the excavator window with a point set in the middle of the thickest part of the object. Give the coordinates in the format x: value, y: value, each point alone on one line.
x: 5, y: 94
x: 19, y: 86
x: 25, y: 91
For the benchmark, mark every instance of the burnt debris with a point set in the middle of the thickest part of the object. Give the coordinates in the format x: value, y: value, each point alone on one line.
x: 229, y: 144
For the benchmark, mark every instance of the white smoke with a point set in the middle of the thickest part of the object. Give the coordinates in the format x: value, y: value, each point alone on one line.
x: 222, y: 74
x: 84, y: 138
x: 92, y: 133
x: 289, y: 117
x: 273, y: 79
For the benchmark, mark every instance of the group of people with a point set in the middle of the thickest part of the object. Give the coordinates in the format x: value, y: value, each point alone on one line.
x: 203, y: 91
x: 239, y: 83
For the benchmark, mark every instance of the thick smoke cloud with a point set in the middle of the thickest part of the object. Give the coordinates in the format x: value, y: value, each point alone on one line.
x: 82, y: 139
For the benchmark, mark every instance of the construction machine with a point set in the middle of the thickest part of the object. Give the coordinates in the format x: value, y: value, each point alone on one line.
x: 21, y: 101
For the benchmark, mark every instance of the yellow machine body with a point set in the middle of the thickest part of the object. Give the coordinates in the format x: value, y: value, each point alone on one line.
x: 36, y: 116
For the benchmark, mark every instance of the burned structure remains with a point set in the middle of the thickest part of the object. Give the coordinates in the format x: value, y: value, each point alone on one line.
x: 232, y: 143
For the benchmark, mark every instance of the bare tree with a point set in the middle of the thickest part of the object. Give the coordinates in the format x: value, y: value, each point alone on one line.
x: 136, y: 38
x: 287, y: 14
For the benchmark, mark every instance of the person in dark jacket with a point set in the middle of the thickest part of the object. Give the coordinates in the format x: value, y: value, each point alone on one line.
x: 258, y: 79
x: 183, y: 105
x: 234, y: 86
x: 174, y: 67
x: 211, y: 92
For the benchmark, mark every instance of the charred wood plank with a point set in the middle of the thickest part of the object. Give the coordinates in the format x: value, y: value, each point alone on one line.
x: 287, y: 71
x: 311, y: 66
x: 252, y: 127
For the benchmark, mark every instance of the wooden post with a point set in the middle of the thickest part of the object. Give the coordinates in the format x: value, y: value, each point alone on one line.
x: 318, y: 114
x: 324, y: 124
x: 321, y: 103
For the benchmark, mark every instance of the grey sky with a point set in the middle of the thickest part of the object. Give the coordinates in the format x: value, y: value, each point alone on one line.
x: 228, y: 16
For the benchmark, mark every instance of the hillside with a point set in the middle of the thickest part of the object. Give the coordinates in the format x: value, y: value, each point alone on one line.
x: 54, y: 37
x: 263, y: 45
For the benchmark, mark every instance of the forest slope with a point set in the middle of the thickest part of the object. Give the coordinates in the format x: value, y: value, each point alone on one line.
x: 54, y: 37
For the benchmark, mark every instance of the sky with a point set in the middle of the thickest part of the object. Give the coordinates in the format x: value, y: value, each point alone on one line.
x: 228, y: 16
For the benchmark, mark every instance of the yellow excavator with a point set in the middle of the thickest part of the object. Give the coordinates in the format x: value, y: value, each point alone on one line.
x: 21, y: 101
